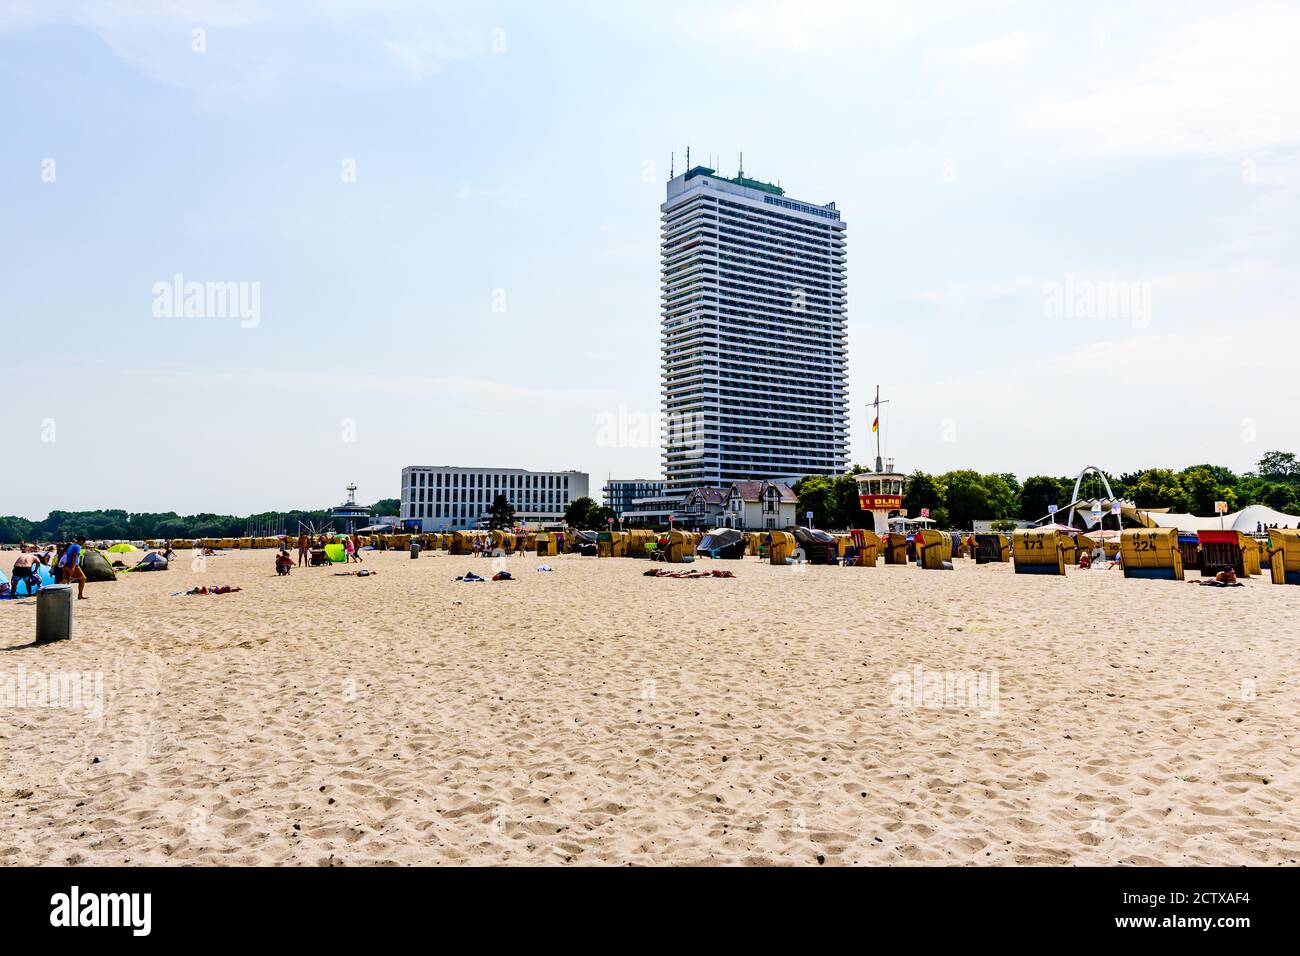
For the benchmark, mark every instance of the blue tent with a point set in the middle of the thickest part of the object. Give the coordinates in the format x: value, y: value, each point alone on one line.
x: 43, y: 576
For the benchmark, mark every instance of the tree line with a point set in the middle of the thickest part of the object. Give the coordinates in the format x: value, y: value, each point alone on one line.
x: 957, y: 498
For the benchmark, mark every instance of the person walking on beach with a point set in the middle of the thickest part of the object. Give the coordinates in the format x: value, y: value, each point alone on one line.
x: 356, y: 549
x: 304, y: 549
x: 71, y: 564
x: 349, y: 550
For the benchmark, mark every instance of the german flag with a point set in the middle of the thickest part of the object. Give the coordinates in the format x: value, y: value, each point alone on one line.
x: 875, y: 426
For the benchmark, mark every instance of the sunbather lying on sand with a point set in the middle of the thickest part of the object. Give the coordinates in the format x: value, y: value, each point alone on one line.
x: 1224, y: 579
x: 665, y: 573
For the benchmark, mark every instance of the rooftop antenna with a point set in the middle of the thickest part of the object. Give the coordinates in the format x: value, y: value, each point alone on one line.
x: 688, y: 159
x: 672, y: 165
x: 740, y: 174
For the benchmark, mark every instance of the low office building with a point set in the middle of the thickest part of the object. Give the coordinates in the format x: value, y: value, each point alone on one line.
x: 619, y: 493
x: 657, y: 511
x: 449, y: 498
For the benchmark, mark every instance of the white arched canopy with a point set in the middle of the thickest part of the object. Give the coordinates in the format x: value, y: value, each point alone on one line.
x: 1078, y: 480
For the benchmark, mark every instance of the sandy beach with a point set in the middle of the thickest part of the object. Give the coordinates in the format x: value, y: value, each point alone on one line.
x: 592, y: 715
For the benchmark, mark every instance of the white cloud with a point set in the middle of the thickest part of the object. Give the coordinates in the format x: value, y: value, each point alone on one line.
x: 1243, y: 352
x: 464, y: 391
x: 960, y: 293
x: 430, y: 55
x: 119, y: 17
x: 1010, y: 51
x: 251, y: 45
x: 817, y: 26
x: 1224, y: 84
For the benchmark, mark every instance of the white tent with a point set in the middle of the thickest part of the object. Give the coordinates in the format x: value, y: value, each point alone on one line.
x: 1247, y: 520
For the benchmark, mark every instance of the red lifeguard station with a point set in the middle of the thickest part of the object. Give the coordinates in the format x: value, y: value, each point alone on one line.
x: 880, y: 491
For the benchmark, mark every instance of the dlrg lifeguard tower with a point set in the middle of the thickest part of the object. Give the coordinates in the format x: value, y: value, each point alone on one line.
x: 880, y: 491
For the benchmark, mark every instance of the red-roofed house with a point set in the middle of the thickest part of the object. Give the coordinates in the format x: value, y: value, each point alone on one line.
x: 759, y: 506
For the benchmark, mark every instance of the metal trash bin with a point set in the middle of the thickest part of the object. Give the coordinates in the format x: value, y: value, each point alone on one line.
x: 415, y: 550
x: 54, y: 613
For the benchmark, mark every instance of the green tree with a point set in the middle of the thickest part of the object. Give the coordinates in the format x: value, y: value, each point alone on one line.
x: 846, y: 512
x: 1038, y: 492
x: 1281, y: 497
x: 1279, y: 464
x: 577, y: 513
x: 1202, y: 489
x: 967, y: 498
x: 598, y: 518
x: 815, y: 494
x: 1156, y: 488
x: 501, y: 516
x: 1004, y: 495
x: 921, y: 490
x: 386, y: 506
x: 1066, y: 491
x: 15, y: 530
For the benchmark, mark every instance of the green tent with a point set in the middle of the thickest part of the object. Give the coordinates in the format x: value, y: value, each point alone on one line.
x: 336, y: 553
x: 95, y: 566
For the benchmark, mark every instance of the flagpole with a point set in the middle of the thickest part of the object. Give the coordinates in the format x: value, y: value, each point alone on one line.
x: 875, y: 427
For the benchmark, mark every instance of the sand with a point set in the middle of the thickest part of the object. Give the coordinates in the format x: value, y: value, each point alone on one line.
x: 595, y: 716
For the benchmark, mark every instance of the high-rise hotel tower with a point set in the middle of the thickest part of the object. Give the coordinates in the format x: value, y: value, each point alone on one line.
x: 754, y: 338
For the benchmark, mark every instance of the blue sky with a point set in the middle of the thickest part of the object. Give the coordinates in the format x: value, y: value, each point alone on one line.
x: 485, y: 290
